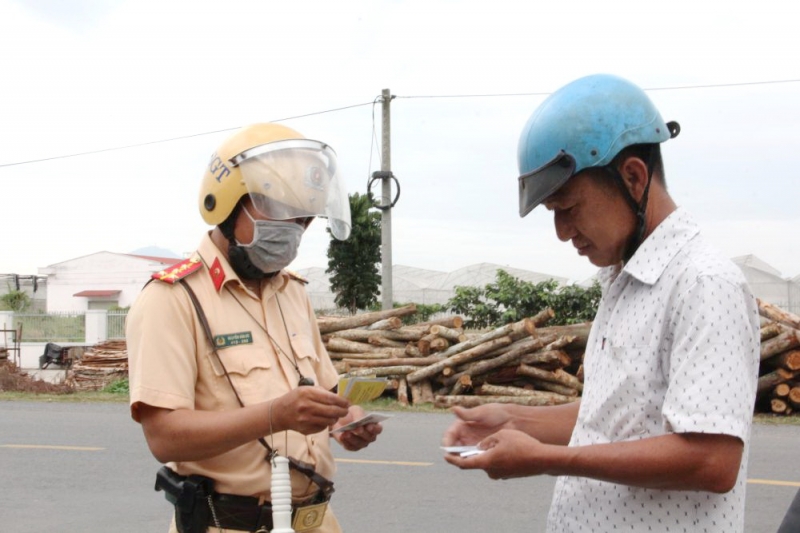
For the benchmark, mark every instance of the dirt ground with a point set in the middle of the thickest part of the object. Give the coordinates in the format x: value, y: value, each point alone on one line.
x: 12, y: 379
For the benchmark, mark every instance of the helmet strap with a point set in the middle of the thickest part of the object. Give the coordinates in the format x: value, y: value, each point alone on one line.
x: 639, y: 208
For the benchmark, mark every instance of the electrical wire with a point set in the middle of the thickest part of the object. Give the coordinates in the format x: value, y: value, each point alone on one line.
x: 374, y: 102
x: 137, y: 145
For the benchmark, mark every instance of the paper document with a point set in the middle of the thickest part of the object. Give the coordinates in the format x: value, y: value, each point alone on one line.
x: 463, y: 451
x: 361, y: 389
x: 371, y: 418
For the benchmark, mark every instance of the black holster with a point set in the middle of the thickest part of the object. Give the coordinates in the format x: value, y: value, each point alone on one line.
x: 189, y: 495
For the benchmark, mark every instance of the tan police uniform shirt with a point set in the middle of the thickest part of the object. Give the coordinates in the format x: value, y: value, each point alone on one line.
x: 172, y: 365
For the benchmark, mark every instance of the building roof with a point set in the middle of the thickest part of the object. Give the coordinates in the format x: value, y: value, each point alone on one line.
x: 103, y: 293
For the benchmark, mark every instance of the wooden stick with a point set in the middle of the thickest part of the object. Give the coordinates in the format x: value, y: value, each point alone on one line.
x: 389, y: 343
x: 579, y: 331
x: 387, y: 323
x: 330, y: 324
x: 402, y: 392
x: 439, y: 344
x: 459, y: 357
x: 373, y: 363
x: 384, y: 371
x: 545, y: 357
x: 463, y: 384
x: 781, y: 390
x: 557, y: 376
x: 448, y: 321
x: 385, y: 353
x: 541, y: 398
x: 768, y: 381
x: 517, y: 350
x: 773, y: 329
x: 778, y: 406
x: 789, y: 360
x: 794, y: 396
x: 452, y: 334
x: 785, y: 341
x: 554, y: 387
x: 777, y: 314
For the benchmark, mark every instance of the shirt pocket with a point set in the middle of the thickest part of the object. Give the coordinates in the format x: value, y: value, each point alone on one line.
x: 248, y: 368
x: 306, y: 353
x: 633, y: 388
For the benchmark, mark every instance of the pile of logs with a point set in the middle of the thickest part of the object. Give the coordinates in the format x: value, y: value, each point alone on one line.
x: 438, y: 362
x: 100, y: 365
x: 779, y: 375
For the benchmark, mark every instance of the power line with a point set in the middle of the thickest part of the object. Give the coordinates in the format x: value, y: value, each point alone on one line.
x: 137, y: 145
x: 490, y: 95
x: 547, y: 93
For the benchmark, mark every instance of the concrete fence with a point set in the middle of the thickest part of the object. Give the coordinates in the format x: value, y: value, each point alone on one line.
x: 96, y: 330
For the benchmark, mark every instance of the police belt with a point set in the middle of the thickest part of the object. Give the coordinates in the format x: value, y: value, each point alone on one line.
x: 245, y: 514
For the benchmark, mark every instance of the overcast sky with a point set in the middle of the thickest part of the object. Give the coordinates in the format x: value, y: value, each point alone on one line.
x: 96, y: 76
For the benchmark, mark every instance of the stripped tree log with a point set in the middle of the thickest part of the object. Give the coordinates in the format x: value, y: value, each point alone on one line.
x: 331, y: 324
x: 455, y: 335
x: 773, y: 329
x: 392, y: 322
x: 785, y: 341
x: 459, y: 357
x: 777, y: 314
x: 768, y: 381
x: 384, y: 371
x: 789, y: 360
x: 579, y: 331
x: 540, y: 398
x: 556, y: 376
x: 794, y: 397
x: 374, y: 363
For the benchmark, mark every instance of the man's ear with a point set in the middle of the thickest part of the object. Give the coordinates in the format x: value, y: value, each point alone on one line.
x: 634, y: 173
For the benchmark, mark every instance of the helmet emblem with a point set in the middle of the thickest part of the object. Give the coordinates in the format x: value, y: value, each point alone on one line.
x: 314, y: 178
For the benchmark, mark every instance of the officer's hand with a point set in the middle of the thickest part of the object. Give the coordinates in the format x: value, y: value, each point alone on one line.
x: 357, y: 438
x: 308, y: 410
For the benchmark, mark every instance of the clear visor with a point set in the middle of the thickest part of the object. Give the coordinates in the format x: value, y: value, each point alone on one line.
x: 536, y: 186
x: 296, y: 178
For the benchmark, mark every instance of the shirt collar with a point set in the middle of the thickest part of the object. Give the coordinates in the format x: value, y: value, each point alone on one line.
x: 661, y: 247
x: 222, y: 273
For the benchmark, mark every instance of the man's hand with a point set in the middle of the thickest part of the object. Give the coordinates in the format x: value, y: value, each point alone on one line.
x: 507, y: 454
x: 475, y: 424
x: 357, y: 438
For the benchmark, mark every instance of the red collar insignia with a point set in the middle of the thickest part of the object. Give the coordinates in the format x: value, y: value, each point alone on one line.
x: 217, y: 273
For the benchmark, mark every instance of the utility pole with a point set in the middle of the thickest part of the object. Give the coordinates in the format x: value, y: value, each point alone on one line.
x: 386, y: 204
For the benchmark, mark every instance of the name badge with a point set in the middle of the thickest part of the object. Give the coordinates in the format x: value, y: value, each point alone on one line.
x: 233, y: 339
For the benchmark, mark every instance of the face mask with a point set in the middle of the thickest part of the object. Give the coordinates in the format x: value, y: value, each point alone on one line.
x: 274, y: 245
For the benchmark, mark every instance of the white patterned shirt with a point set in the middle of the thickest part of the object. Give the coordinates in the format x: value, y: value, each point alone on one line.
x: 674, y: 348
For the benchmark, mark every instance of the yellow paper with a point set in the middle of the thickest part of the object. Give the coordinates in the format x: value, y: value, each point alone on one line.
x: 361, y: 389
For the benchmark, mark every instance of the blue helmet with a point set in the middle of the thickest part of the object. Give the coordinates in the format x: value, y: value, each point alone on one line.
x: 584, y: 124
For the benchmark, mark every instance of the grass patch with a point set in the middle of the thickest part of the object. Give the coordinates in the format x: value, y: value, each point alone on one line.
x: 71, y: 397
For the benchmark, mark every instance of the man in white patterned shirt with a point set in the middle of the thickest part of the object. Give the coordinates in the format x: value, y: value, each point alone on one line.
x: 659, y: 439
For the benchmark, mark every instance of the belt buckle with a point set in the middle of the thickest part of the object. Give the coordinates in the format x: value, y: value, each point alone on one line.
x: 309, y: 516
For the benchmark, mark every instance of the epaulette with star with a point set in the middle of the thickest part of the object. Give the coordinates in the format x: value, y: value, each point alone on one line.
x: 178, y: 271
x: 297, y: 277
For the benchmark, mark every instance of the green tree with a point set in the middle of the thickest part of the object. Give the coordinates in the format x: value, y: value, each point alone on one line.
x: 510, y: 299
x: 14, y: 300
x: 354, y: 263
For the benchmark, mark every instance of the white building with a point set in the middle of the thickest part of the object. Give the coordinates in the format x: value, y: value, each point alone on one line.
x: 105, y: 279
x: 99, y: 281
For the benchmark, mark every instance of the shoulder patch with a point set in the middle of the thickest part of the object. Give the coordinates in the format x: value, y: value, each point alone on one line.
x: 297, y: 277
x: 178, y: 271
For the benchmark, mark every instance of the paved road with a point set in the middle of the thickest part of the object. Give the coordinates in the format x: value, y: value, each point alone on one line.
x: 85, y: 468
